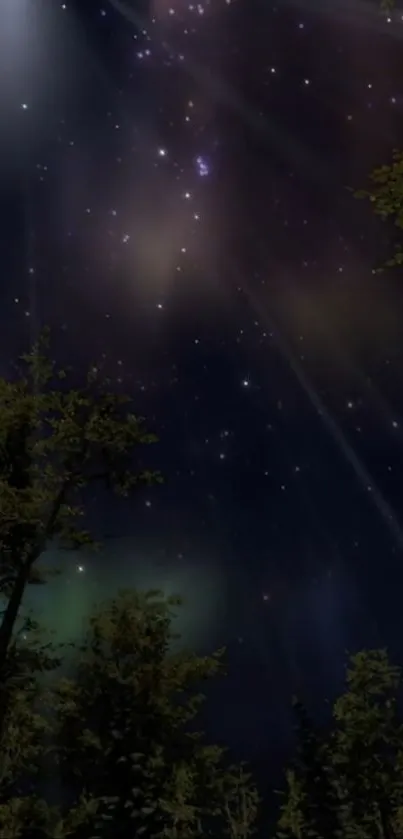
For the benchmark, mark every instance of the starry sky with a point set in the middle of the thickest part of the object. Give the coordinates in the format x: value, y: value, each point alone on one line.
x: 174, y: 198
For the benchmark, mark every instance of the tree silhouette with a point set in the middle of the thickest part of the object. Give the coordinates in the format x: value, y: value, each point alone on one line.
x: 129, y: 735
x: 350, y: 783
x: 54, y: 441
x: 385, y: 194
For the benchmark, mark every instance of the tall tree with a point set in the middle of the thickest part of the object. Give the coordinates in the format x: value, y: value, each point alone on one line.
x: 311, y: 805
x: 363, y: 758
x: 27, y: 759
x: 368, y: 744
x: 54, y: 442
x: 129, y: 736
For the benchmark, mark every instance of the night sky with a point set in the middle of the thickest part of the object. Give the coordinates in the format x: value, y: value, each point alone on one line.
x: 174, y: 196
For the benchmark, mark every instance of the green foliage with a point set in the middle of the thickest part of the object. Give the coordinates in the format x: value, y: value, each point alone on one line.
x: 368, y: 741
x: 27, y: 754
x: 311, y: 808
x: 128, y: 731
x: 386, y: 197
x: 121, y: 737
x: 361, y: 758
x: 55, y: 441
x: 241, y: 803
x: 29, y: 817
x: 293, y: 819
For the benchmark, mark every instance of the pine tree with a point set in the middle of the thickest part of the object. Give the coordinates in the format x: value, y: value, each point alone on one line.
x: 368, y: 744
x: 349, y: 784
x: 311, y: 807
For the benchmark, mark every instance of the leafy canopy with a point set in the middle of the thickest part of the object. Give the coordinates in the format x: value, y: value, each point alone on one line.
x: 129, y: 735
x: 54, y: 441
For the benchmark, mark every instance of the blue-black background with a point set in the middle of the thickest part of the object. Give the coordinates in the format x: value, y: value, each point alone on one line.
x: 174, y: 196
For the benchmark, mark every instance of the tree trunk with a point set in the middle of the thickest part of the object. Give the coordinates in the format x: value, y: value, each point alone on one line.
x: 13, y: 606
x: 11, y: 613
x: 6, y: 633
x: 387, y: 829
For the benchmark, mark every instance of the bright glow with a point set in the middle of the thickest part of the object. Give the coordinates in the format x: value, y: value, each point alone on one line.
x: 35, y: 66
